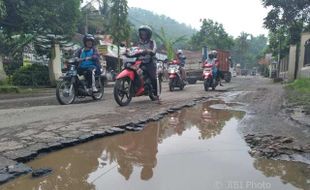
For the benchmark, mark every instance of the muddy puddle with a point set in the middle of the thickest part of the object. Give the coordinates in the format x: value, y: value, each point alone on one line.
x: 195, y: 148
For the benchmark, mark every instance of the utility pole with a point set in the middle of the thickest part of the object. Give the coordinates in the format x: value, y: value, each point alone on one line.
x: 86, y: 23
x: 279, y: 57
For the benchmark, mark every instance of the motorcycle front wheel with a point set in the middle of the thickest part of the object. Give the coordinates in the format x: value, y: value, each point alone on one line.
x: 206, y: 84
x: 98, y: 95
x: 65, y: 92
x: 171, y: 85
x: 121, y: 92
x: 152, y: 94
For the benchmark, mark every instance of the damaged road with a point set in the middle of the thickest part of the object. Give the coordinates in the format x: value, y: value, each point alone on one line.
x: 26, y: 131
x: 270, y: 128
x: 30, y: 129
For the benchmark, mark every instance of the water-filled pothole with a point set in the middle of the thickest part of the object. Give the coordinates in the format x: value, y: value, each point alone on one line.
x: 195, y: 148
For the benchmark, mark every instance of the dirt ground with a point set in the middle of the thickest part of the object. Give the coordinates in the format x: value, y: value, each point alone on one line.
x: 272, y: 128
x: 31, y: 125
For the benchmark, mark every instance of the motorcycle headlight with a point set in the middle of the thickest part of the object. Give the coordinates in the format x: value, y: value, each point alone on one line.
x: 130, y: 60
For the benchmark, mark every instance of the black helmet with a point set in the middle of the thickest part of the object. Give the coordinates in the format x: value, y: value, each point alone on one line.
x: 88, y: 37
x: 147, y: 29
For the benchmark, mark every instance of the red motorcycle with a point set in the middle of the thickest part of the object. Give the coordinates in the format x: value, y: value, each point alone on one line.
x: 175, y: 79
x: 209, y: 71
x: 131, y: 81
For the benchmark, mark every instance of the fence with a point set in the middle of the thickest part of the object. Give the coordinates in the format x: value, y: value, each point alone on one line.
x: 30, y: 78
x: 284, y: 68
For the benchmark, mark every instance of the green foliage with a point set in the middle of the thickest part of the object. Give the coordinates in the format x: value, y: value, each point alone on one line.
x: 9, y: 89
x: 248, y: 49
x: 10, y: 45
x: 292, y: 16
x: 37, y: 17
x: 279, y: 43
x: 168, y: 43
x: 300, y: 85
x: 213, y: 35
x: 2, y: 9
x: 298, y: 94
x: 31, y: 75
x: 118, y: 25
x: 13, y: 63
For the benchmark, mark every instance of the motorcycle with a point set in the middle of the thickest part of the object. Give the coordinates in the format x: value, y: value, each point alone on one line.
x: 131, y: 82
x: 73, y: 85
x: 175, y: 79
x: 208, y: 76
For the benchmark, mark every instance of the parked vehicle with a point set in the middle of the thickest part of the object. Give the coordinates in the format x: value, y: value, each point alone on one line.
x: 74, y: 86
x: 131, y: 82
x: 208, y: 77
x: 175, y: 79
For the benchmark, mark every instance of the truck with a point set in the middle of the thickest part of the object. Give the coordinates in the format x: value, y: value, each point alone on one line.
x: 194, y: 70
x: 225, y: 64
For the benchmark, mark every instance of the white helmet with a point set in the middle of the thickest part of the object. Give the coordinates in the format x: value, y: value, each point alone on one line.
x: 180, y: 51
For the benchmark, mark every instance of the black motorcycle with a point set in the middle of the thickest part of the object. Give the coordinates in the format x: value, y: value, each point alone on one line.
x: 73, y: 85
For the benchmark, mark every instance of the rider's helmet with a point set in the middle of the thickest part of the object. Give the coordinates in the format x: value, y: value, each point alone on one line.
x: 214, y: 52
x: 210, y: 55
x: 179, y: 52
x: 88, y: 37
x: 148, y: 31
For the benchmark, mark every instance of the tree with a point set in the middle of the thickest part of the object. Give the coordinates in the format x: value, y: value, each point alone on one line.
x: 2, y: 9
x: 169, y: 43
x: 292, y: 16
x: 213, y: 35
x: 24, y: 19
x: 248, y: 49
x: 31, y: 16
x: 119, y: 27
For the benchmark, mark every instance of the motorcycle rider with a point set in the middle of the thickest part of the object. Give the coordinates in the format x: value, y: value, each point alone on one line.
x: 181, y: 59
x: 215, y: 70
x: 89, y: 65
x: 149, y: 45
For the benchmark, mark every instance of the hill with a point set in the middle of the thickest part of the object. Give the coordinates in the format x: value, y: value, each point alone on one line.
x: 173, y: 29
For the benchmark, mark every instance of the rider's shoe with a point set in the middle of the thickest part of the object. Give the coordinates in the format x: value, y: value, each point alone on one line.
x: 94, y: 89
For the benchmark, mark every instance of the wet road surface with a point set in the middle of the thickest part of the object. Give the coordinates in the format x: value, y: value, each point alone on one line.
x: 195, y: 148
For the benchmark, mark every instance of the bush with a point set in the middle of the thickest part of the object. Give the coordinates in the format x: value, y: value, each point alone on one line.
x: 31, y: 75
x: 9, y: 89
x: 298, y: 94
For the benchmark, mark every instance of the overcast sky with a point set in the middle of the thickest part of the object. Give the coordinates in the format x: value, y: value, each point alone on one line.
x: 236, y: 15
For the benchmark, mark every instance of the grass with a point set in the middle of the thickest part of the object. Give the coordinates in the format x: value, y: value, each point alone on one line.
x: 298, y: 94
x: 9, y: 89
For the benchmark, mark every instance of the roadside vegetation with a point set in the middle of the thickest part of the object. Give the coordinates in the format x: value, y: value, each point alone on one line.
x: 298, y: 94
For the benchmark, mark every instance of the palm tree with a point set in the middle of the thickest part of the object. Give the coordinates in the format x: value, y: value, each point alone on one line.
x: 168, y: 43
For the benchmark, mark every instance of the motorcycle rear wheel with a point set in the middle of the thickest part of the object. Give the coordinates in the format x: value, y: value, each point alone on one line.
x: 122, y: 91
x: 65, y: 93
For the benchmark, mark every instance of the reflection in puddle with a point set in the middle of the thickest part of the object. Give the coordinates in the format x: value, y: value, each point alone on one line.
x: 196, y: 148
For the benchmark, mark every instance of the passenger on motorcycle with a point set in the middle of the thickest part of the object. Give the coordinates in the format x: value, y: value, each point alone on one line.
x: 181, y: 59
x: 89, y: 61
x: 145, y: 42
